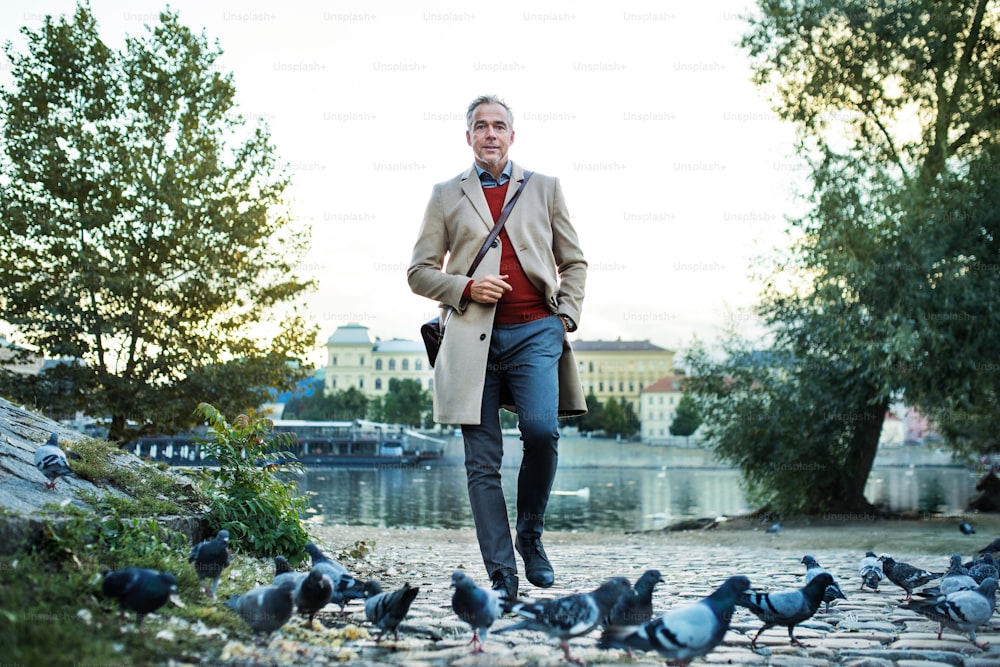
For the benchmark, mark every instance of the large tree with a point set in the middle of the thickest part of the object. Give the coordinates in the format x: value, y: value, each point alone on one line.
x: 887, y: 291
x: 146, y: 239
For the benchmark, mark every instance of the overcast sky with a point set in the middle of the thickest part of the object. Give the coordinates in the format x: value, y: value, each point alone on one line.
x: 675, y: 169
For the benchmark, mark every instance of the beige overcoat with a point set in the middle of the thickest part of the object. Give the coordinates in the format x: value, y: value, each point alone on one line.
x: 456, y: 223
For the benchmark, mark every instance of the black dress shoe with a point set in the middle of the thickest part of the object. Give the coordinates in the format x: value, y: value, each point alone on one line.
x: 537, y: 567
x: 505, y: 581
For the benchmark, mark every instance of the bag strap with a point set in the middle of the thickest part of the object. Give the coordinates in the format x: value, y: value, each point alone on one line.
x: 504, y: 214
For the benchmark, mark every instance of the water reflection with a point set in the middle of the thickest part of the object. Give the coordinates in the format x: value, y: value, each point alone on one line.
x: 601, y: 499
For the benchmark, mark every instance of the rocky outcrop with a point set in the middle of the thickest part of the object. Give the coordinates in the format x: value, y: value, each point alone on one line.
x: 26, y: 504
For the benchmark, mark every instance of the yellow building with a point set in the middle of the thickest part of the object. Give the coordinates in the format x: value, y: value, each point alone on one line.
x: 355, y: 360
x: 611, y: 369
x: 621, y: 369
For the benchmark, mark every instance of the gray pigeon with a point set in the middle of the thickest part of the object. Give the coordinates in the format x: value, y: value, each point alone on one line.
x: 138, y: 589
x: 210, y: 558
x: 310, y: 591
x: 786, y: 607
x: 51, y: 461
x: 833, y: 592
x: 265, y: 608
x: 685, y: 632
x: 570, y: 616
x: 636, y: 608
x: 870, y: 570
x: 906, y: 576
x: 345, y: 586
x: 387, y: 610
x: 479, y: 607
x: 962, y: 610
x: 983, y: 568
x: 955, y: 579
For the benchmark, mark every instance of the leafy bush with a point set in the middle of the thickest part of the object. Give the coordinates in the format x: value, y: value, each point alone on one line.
x: 246, y: 495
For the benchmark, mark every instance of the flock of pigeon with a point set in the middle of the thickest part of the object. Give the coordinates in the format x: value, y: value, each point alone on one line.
x: 963, y: 598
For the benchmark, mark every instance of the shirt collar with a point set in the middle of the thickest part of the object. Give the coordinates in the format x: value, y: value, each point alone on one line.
x: 486, y: 178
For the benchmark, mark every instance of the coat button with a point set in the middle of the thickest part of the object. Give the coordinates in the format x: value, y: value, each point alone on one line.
x: 482, y: 336
x: 495, y: 243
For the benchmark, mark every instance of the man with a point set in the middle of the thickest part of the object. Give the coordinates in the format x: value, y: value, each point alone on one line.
x: 504, y: 343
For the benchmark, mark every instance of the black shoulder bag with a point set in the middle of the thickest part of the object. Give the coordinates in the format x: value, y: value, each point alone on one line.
x: 431, y: 331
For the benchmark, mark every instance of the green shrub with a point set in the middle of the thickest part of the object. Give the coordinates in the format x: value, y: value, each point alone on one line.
x: 246, y: 494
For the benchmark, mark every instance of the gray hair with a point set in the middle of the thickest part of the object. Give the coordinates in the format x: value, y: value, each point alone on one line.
x: 488, y: 99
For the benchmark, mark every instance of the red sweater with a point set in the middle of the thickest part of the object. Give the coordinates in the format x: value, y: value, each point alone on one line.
x: 524, y: 302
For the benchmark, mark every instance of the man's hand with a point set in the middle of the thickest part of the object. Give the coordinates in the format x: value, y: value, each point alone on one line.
x: 489, y: 289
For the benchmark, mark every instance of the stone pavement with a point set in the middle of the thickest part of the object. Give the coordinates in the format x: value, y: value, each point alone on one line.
x: 866, y: 630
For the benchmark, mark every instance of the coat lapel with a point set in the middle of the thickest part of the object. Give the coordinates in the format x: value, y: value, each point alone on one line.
x: 474, y: 191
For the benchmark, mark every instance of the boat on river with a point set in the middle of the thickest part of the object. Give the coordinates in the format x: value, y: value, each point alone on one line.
x: 357, y: 443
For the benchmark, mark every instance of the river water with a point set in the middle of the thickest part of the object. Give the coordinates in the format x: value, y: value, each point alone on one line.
x: 603, y: 498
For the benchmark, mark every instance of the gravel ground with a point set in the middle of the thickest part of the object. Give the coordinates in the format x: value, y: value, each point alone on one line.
x: 866, y: 630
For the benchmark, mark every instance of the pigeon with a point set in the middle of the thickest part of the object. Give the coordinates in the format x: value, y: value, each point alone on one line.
x: 637, y: 607
x: 966, y: 529
x: 774, y: 529
x: 210, y: 558
x: 139, y: 589
x: 992, y: 547
x: 833, y: 592
x: 871, y: 572
x: 685, y: 632
x: 310, y: 591
x: 571, y: 615
x: 984, y: 567
x: 264, y: 608
x: 478, y: 607
x: 955, y: 579
x: 387, y: 610
x: 51, y: 461
x: 786, y: 607
x: 962, y: 610
x: 906, y: 576
x: 345, y: 586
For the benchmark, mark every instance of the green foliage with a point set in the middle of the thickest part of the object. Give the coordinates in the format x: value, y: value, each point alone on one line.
x: 686, y: 419
x: 619, y: 418
x: 344, y: 405
x: 147, y: 240
x: 247, y: 497
x: 151, y: 491
x: 406, y: 403
x: 593, y: 419
x: 888, y: 288
x: 52, y: 596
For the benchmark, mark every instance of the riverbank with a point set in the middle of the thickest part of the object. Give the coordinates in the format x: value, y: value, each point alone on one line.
x: 866, y: 630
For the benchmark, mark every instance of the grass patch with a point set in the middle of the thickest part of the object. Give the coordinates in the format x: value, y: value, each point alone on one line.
x: 50, y: 598
x: 150, y: 490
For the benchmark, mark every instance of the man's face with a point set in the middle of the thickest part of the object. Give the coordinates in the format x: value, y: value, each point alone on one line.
x: 490, y: 136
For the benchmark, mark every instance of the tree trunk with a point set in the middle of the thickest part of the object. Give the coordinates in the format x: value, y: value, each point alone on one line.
x: 861, y: 456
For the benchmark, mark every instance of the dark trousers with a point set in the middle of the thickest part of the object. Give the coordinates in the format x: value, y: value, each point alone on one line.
x: 524, y: 359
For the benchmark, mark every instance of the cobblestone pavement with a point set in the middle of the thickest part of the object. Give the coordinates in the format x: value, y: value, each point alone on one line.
x: 867, y: 629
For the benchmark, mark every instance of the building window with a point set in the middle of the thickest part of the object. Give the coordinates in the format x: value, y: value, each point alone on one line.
x: 361, y: 383
x: 392, y: 364
x: 600, y: 386
x: 333, y: 360
x: 361, y: 361
x: 430, y: 384
x: 591, y: 365
x: 378, y: 364
x: 418, y: 365
x: 378, y: 384
x: 406, y: 364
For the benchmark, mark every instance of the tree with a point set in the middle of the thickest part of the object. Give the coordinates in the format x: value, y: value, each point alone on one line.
x: 406, y: 402
x: 894, y: 104
x: 593, y: 419
x: 344, y: 405
x: 145, y: 233
x: 620, y: 419
x: 686, y: 420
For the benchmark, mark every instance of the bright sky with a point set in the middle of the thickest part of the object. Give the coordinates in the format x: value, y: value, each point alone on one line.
x: 675, y: 169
